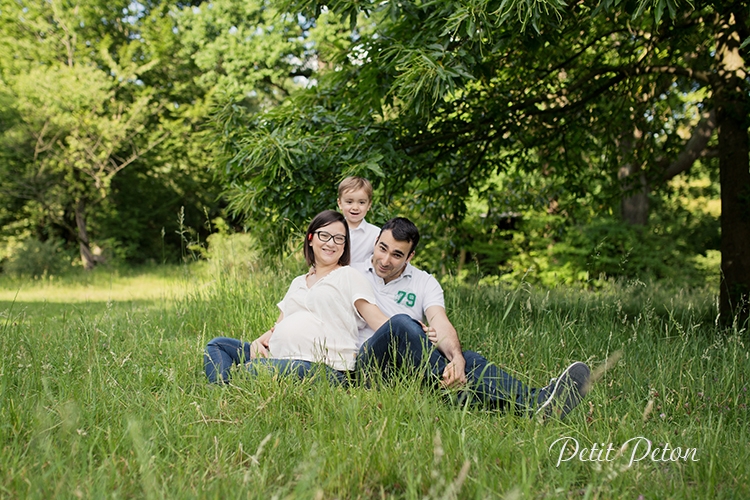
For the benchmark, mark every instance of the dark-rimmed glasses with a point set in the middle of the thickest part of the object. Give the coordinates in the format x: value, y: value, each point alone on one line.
x: 324, y: 236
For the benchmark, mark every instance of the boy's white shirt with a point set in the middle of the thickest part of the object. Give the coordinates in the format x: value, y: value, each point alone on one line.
x: 362, y: 239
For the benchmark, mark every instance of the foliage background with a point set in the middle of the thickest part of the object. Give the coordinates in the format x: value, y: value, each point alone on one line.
x: 257, y: 109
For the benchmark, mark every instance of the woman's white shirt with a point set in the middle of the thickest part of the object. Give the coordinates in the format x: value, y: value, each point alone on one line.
x: 320, y: 322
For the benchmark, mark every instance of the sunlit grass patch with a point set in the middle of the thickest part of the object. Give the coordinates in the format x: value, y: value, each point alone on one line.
x: 101, y: 285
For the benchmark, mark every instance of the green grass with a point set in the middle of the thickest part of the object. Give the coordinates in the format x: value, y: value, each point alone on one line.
x: 102, y: 394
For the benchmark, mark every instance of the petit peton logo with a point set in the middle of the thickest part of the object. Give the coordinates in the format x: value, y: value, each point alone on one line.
x: 567, y: 449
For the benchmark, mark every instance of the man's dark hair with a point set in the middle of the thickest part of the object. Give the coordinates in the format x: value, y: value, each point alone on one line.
x: 322, y: 220
x: 403, y: 229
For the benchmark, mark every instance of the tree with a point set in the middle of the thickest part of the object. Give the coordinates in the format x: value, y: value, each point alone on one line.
x: 442, y: 95
x: 82, y: 139
x: 282, y: 191
x: 244, y: 49
x: 105, y: 106
x: 81, y: 116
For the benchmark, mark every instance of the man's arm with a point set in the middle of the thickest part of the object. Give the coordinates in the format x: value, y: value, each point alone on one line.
x: 371, y: 313
x: 448, y: 344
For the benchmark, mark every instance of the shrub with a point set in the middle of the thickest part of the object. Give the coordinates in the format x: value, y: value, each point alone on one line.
x: 607, y: 248
x: 232, y: 254
x: 36, y: 258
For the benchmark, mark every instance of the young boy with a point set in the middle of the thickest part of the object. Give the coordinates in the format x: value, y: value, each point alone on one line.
x: 355, y: 199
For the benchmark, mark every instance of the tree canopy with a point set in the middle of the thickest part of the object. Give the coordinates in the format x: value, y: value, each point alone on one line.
x: 434, y: 98
x: 80, y: 112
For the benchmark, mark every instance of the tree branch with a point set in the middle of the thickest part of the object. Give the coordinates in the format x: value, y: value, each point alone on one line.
x: 694, y: 146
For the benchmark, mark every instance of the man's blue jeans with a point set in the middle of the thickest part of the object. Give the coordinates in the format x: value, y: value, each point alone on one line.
x: 403, y: 344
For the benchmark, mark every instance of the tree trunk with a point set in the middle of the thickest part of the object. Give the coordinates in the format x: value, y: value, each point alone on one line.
x: 634, y: 204
x: 634, y: 186
x: 732, y: 115
x: 87, y: 256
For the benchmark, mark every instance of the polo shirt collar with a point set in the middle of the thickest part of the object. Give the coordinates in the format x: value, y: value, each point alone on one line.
x: 408, y: 272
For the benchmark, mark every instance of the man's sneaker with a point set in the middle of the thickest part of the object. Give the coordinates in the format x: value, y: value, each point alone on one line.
x: 564, y: 392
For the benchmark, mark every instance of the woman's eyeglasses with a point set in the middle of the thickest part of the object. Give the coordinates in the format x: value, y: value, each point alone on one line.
x: 324, y: 236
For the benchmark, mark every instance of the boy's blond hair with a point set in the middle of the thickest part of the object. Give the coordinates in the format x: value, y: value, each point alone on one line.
x: 354, y: 184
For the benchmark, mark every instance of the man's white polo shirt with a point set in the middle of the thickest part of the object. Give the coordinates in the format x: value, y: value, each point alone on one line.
x: 412, y: 293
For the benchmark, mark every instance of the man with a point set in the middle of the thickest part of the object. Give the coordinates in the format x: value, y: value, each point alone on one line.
x: 400, y: 288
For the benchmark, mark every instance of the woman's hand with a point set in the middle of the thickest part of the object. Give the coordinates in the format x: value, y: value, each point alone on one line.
x: 259, y: 346
x: 258, y: 349
x: 430, y: 332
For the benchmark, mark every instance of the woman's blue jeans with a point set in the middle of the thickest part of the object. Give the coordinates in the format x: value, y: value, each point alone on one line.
x: 222, y: 353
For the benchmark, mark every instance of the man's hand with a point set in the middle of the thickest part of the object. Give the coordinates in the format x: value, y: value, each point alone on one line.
x: 455, y: 373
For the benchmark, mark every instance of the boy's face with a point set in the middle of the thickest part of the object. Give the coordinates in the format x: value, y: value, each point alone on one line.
x: 354, y: 205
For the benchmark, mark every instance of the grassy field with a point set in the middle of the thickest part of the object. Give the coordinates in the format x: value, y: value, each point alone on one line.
x: 102, y: 394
